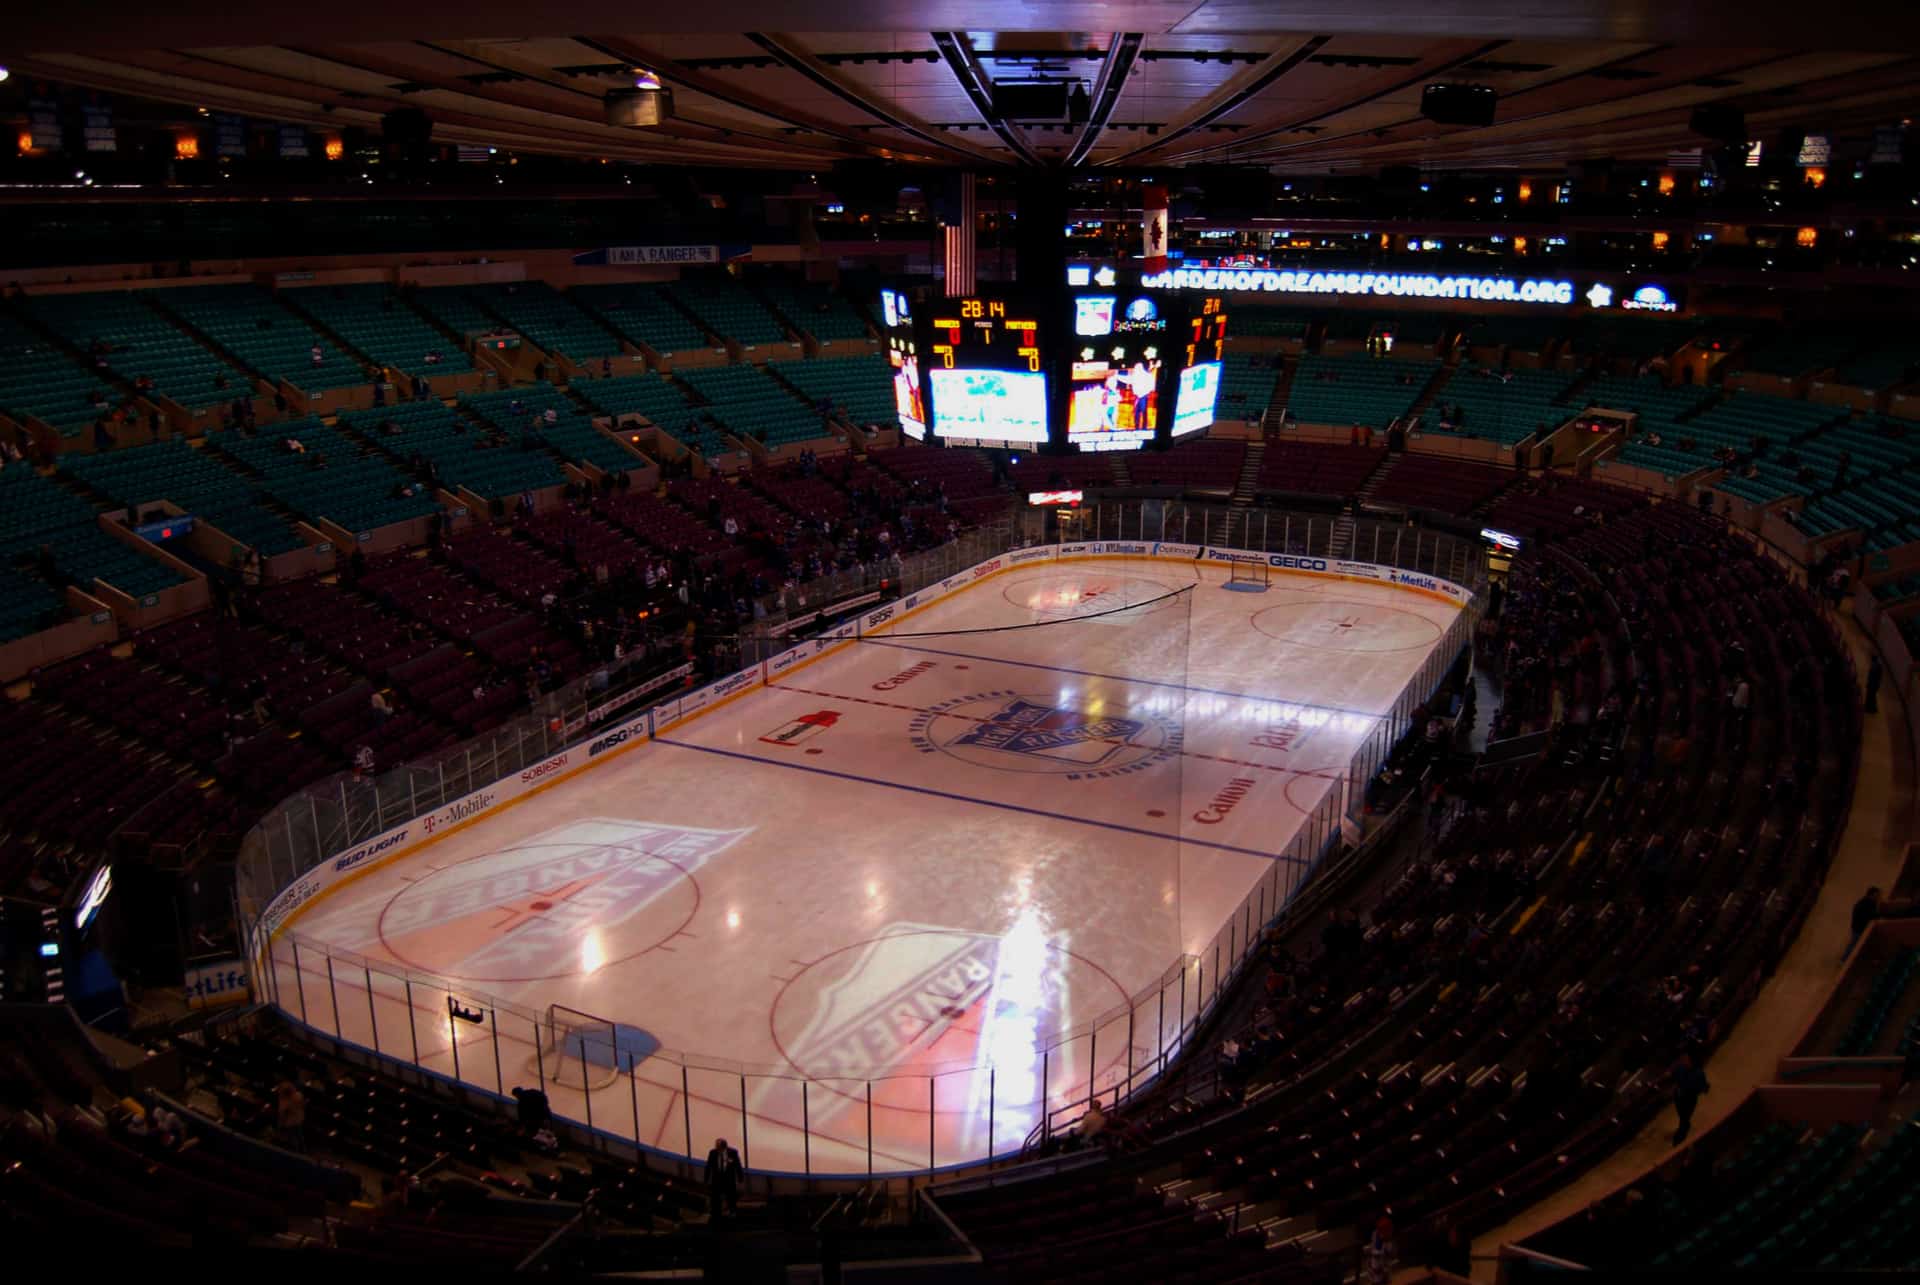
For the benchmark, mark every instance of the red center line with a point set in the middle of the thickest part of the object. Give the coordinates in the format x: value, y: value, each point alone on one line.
x: 1321, y: 773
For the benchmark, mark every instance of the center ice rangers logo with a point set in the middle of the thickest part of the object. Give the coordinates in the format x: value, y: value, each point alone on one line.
x: 1016, y: 732
x: 527, y: 912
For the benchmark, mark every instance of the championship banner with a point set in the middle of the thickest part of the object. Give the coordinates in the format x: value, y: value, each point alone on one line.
x: 1153, y: 228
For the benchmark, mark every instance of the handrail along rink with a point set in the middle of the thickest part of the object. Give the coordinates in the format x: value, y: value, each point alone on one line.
x: 1170, y: 1010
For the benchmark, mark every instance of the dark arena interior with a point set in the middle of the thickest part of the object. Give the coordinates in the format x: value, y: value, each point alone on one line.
x: 941, y: 640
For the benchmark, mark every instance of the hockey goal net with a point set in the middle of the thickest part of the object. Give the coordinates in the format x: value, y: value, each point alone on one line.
x: 1248, y: 576
x: 576, y: 1050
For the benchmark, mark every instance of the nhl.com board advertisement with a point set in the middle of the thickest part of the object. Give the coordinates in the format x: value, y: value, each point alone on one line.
x: 401, y: 840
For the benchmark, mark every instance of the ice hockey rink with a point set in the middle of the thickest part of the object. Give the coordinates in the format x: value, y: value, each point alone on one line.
x: 870, y: 916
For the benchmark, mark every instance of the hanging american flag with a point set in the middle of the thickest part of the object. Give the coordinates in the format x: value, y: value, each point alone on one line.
x: 1153, y: 228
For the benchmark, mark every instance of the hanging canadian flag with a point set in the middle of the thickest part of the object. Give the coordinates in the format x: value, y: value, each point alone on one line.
x: 1153, y: 228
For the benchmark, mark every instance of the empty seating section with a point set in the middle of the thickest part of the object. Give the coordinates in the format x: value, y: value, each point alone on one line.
x: 861, y: 388
x: 1318, y: 468
x: 1766, y: 429
x: 198, y: 481
x: 250, y: 325
x: 27, y: 605
x: 813, y: 308
x: 1205, y: 464
x: 1047, y: 473
x: 1270, y: 323
x: 1412, y: 330
x: 1356, y: 390
x: 40, y: 379
x: 1635, y: 338
x: 455, y: 309
x: 235, y: 662
x: 811, y: 498
x: 1246, y: 386
x: 963, y: 475
x: 749, y: 403
x: 549, y: 320
x: 86, y: 783
x: 661, y: 404
x: 1546, y: 506
x: 1794, y: 353
x: 643, y: 314
x: 336, y: 477
x: 37, y: 513
x: 341, y: 624
x: 728, y: 310
x: 571, y: 434
x: 378, y: 323
x: 1883, y: 509
x: 1777, y: 1197
x: 1435, y: 482
x: 665, y: 525
x: 1498, y: 406
x: 1516, y: 331
x: 490, y: 464
x: 433, y: 595
x: 1659, y: 409
x: 1893, y: 361
x: 141, y: 342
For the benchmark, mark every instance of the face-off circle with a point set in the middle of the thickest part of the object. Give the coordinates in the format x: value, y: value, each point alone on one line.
x: 924, y: 1000
x: 1344, y: 624
x: 537, y: 912
x: 1010, y: 731
x: 1064, y: 596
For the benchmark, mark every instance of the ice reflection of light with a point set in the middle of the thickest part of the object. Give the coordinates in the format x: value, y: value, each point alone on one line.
x: 733, y: 919
x: 1012, y: 1038
x: 593, y: 952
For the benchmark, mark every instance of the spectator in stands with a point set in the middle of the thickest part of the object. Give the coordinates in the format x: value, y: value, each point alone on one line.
x: 724, y: 1174
x: 1379, y: 1251
x: 363, y: 762
x: 381, y: 706
x: 290, y: 1115
x: 319, y: 355
x: 1689, y: 1083
x: 433, y: 357
x: 531, y: 1105
x: 1089, y: 1128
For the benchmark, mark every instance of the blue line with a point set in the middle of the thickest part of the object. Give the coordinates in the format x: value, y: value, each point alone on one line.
x: 985, y: 803
x: 1376, y: 716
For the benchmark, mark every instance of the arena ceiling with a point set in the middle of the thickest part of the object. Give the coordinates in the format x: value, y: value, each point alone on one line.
x: 1300, y: 87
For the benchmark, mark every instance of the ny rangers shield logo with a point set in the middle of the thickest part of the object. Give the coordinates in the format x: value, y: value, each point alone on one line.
x: 1011, y: 731
x: 542, y: 909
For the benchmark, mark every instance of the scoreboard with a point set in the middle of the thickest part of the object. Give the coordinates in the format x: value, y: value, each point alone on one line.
x: 1107, y: 368
x: 985, y: 332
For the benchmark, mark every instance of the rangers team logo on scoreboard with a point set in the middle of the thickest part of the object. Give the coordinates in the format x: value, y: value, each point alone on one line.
x: 1010, y: 731
x: 537, y: 910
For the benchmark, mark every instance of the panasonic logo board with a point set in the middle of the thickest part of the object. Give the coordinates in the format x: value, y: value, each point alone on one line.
x: 374, y: 849
x: 1233, y: 555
